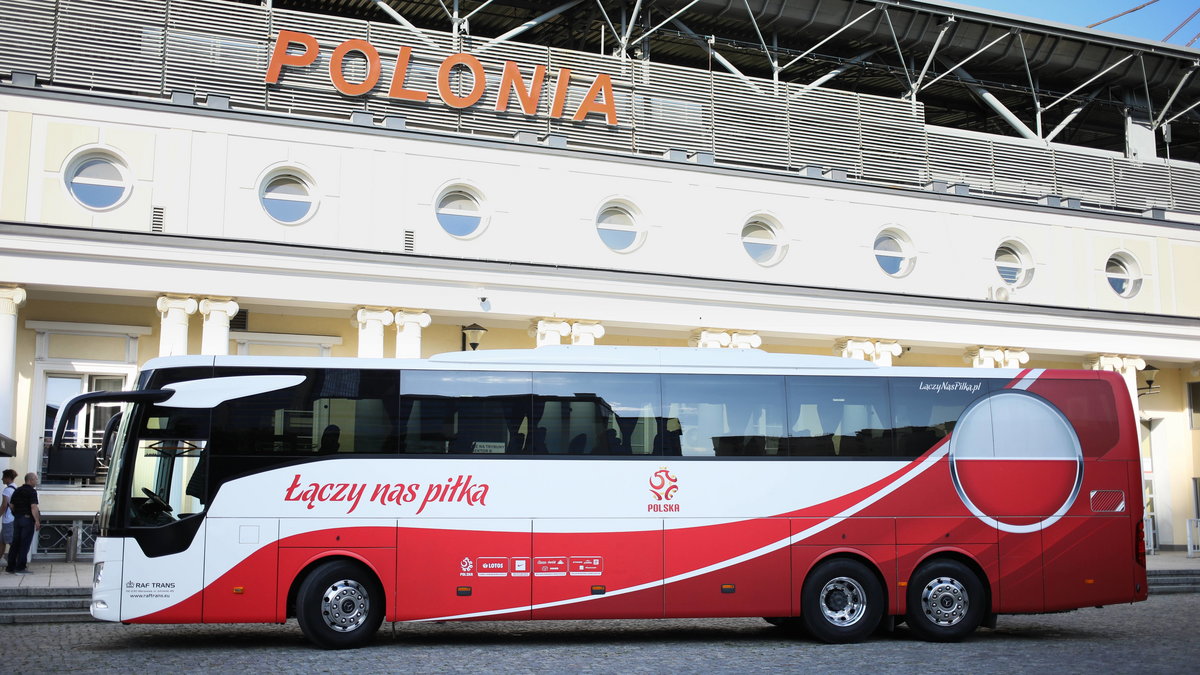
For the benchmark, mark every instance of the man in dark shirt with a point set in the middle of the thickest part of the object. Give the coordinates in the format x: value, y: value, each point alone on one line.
x: 28, y: 519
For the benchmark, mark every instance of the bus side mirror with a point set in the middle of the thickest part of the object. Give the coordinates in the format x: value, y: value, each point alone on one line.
x: 71, y: 409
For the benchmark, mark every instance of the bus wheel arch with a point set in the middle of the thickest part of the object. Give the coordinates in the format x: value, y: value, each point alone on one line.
x: 947, y: 598
x: 339, y: 602
x: 843, y: 599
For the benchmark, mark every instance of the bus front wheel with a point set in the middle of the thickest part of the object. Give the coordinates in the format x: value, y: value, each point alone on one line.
x: 841, y: 601
x: 339, y: 605
x: 946, y: 601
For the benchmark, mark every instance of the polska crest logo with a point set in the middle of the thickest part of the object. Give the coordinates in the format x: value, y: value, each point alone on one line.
x: 663, y: 485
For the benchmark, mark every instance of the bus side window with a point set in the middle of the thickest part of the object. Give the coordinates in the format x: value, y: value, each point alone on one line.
x: 465, y: 412
x: 725, y: 415
x: 926, y: 409
x: 838, y: 417
x: 605, y: 414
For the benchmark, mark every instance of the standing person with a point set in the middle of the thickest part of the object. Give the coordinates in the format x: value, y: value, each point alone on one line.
x: 27, y: 519
x: 6, y: 516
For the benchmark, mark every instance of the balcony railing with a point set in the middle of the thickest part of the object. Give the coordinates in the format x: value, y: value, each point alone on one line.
x: 156, y: 47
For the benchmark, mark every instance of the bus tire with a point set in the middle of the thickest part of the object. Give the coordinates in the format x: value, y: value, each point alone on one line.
x: 841, y: 601
x: 946, y: 601
x: 339, y: 605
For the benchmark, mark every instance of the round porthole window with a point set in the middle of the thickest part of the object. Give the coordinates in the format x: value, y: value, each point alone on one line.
x: 98, y: 181
x: 1013, y: 264
x: 760, y: 239
x: 459, y: 213
x: 1123, y: 274
x: 893, y: 253
x: 287, y: 197
x: 618, y: 229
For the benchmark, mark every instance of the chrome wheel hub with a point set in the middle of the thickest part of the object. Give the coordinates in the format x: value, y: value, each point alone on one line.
x: 345, y: 605
x: 843, y: 601
x: 944, y: 601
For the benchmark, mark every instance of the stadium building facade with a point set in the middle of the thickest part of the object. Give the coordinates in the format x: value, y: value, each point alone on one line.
x: 906, y: 182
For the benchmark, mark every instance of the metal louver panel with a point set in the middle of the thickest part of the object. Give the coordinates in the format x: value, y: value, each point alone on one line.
x: 1185, y: 188
x: 111, y: 44
x: 218, y: 48
x: 421, y: 75
x: 308, y: 89
x: 1022, y: 170
x: 751, y: 125
x: 27, y: 45
x: 1141, y: 186
x: 824, y: 130
x: 671, y: 108
x: 894, y: 147
x: 1088, y: 177
x: 961, y: 159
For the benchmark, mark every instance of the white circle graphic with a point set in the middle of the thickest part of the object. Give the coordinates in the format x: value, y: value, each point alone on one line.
x: 1016, y: 461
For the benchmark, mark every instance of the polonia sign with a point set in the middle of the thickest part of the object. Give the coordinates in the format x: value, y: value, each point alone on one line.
x: 598, y: 100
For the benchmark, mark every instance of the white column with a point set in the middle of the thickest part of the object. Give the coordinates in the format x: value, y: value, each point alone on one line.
x: 586, y: 332
x: 10, y: 299
x: 409, y: 323
x: 549, y: 331
x: 370, y: 322
x: 995, y: 357
x: 173, y: 326
x: 216, y: 312
x: 744, y: 339
x: 879, y: 352
x: 708, y: 338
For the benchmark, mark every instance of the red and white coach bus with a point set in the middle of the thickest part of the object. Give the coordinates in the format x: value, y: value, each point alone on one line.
x: 615, y: 482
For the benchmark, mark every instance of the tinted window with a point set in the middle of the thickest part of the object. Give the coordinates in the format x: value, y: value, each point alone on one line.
x: 600, y: 413
x: 465, y: 412
x: 722, y: 415
x: 926, y: 409
x: 838, y: 417
x: 331, y: 412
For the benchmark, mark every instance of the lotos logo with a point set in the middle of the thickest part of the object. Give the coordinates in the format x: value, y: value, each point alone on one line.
x: 663, y: 485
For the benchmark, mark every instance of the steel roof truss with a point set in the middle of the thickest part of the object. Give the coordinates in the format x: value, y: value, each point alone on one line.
x: 967, y: 60
x: 1089, y: 81
x: 670, y: 19
x: 994, y: 103
x: 762, y: 41
x: 1182, y: 81
x: 835, y: 72
x: 810, y: 50
x: 1073, y: 114
x: 912, y: 93
x: 532, y: 23
x: 398, y: 18
x: 1183, y: 112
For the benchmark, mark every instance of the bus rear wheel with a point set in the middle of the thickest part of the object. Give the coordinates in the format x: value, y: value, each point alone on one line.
x: 946, y: 601
x: 841, y: 601
x: 339, y: 605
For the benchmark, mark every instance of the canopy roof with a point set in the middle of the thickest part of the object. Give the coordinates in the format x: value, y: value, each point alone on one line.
x: 1031, y: 66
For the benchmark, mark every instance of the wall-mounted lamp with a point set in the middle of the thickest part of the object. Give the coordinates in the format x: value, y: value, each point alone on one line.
x: 472, y: 336
x: 1150, y: 373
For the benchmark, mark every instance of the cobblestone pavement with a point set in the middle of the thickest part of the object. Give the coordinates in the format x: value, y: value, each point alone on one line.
x: 1156, y: 636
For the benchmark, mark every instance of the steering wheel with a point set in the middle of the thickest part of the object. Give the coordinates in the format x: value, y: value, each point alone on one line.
x: 158, y: 502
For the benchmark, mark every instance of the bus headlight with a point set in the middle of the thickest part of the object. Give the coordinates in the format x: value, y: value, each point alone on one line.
x: 97, y: 574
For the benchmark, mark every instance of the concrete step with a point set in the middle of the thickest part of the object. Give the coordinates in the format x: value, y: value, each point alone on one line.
x: 1173, y: 581
x: 46, y: 616
x: 40, y: 604
x: 50, y: 602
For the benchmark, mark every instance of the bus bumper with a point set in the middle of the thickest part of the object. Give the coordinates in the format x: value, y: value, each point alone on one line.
x: 106, y: 580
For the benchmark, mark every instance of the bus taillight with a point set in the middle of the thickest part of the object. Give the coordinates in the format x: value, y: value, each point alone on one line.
x: 1139, y: 544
